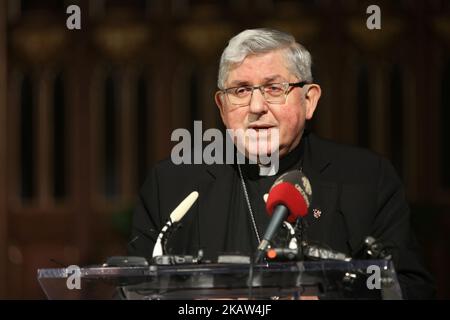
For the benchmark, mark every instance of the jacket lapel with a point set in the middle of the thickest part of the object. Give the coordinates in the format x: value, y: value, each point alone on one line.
x: 324, y: 193
x: 214, y: 208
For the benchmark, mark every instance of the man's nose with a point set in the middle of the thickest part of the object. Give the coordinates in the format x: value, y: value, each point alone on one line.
x: 258, y: 104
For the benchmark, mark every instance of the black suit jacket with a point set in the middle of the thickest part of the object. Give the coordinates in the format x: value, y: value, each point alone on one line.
x: 357, y: 192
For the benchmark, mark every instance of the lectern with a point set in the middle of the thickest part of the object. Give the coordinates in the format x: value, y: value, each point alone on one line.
x: 356, y: 279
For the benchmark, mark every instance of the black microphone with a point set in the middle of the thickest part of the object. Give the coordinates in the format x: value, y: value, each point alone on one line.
x: 279, y: 215
x: 288, y: 199
x: 311, y: 252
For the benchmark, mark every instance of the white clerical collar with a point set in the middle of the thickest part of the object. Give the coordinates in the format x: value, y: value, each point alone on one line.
x: 268, y: 170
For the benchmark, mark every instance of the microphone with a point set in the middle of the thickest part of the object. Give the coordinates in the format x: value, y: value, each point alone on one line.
x: 289, y: 199
x: 312, y: 252
x: 176, y: 215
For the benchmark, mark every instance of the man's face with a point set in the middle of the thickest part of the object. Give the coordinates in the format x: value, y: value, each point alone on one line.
x: 288, y: 118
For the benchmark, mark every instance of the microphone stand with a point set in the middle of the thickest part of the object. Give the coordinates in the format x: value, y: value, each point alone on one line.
x: 171, y: 230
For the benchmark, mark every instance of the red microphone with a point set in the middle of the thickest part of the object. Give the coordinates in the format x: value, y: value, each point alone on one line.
x: 289, y: 199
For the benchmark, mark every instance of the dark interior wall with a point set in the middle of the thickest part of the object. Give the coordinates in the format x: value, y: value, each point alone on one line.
x: 3, y: 141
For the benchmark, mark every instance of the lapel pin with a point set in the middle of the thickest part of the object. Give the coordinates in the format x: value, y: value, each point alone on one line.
x: 317, y: 213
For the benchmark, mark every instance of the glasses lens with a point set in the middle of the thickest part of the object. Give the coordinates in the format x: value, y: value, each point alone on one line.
x: 275, y: 92
x: 239, y: 96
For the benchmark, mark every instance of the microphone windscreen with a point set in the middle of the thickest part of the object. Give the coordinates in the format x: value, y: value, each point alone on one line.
x: 293, y: 190
x: 183, y: 207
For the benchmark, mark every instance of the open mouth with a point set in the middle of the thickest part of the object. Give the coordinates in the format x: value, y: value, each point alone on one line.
x: 260, y: 127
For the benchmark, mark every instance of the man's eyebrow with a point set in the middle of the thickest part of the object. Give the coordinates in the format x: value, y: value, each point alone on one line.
x: 238, y: 83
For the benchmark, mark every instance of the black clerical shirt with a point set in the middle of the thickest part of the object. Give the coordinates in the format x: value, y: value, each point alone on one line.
x: 241, y: 234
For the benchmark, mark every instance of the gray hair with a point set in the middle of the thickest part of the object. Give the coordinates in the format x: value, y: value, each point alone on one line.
x: 259, y: 41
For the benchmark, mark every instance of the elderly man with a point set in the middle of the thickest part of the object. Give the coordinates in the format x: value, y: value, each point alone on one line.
x: 266, y: 85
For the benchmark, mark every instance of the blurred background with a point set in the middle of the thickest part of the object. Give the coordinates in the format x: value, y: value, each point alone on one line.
x: 84, y: 114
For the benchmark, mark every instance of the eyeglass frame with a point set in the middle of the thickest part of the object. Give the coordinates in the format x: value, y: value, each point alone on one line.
x: 299, y: 84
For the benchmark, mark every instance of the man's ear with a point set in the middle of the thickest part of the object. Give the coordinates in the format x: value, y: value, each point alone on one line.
x: 219, y: 98
x: 312, y: 96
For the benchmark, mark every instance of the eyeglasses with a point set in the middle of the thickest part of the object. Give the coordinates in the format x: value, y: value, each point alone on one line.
x: 275, y: 93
